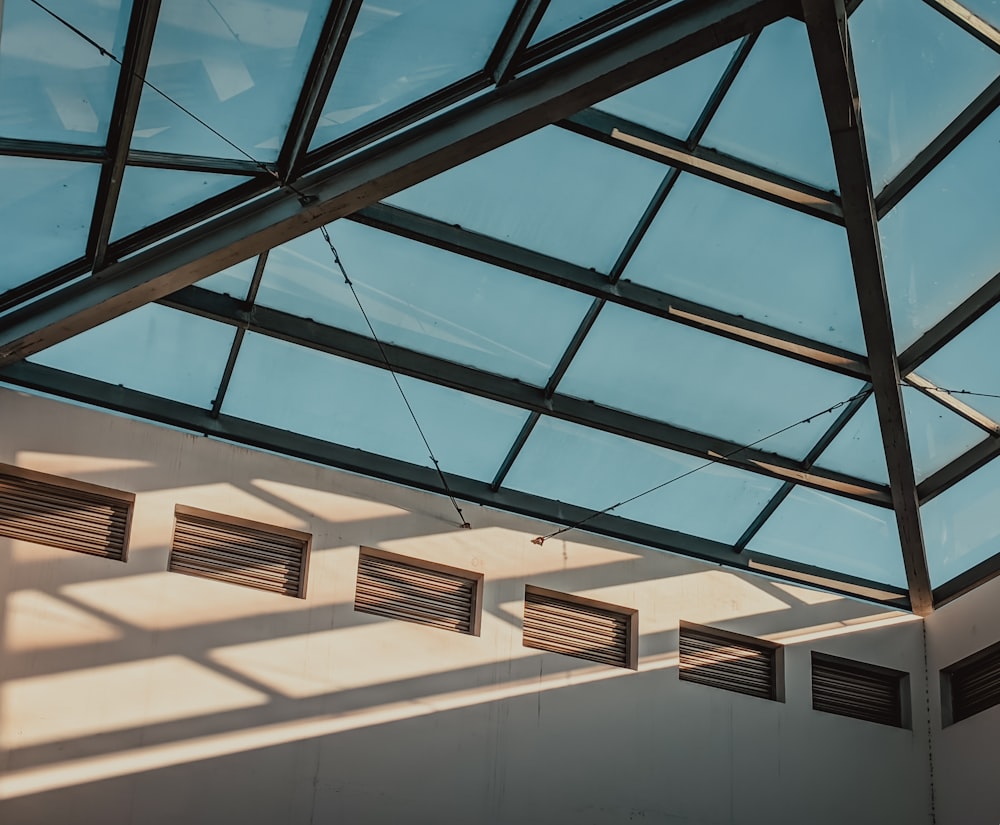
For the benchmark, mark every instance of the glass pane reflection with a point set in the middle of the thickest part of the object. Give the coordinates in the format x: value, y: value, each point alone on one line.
x: 836, y: 534
x: 961, y: 527
x: 238, y: 65
x: 234, y: 281
x: 403, y: 50
x: 54, y: 85
x: 426, y: 299
x: 344, y: 402
x: 552, y: 191
x: 594, y: 469
x: 45, y: 212
x: 151, y: 349
x: 916, y: 72
x: 941, y: 242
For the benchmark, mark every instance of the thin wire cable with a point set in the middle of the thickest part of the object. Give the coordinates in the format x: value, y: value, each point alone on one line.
x: 304, y: 199
x: 576, y: 525
x: 933, y: 388
x: 392, y: 372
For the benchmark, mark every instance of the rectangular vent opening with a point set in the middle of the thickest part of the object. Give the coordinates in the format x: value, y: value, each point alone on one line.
x: 413, y: 590
x: 582, y: 628
x: 64, y: 513
x: 971, y: 685
x: 860, y: 690
x: 730, y: 661
x: 233, y: 550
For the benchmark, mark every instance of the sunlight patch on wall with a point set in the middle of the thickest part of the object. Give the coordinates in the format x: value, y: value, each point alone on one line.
x: 67, y: 464
x: 36, y: 621
x: 328, y: 506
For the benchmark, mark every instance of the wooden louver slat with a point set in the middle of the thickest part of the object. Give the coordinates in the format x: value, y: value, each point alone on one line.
x: 396, y: 587
x: 974, y: 683
x: 858, y: 690
x: 226, y: 549
x: 729, y: 661
x: 62, y: 513
x: 559, y: 623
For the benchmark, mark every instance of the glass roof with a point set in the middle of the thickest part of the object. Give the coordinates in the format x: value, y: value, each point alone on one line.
x: 603, y: 294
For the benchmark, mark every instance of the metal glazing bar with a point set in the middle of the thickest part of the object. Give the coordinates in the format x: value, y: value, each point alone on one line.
x: 49, y: 150
x: 706, y: 163
x: 552, y: 92
x: 953, y: 403
x: 334, y: 341
x: 966, y: 464
x: 626, y: 293
x: 44, y: 283
x: 826, y: 23
x: 721, y: 89
x: 515, y: 450
x: 326, y: 60
x: 196, y: 163
x: 142, y: 27
x: 519, y: 30
x: 972, y: 23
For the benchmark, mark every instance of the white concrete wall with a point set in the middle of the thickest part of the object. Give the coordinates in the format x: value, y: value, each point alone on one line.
x: 966, y: 755
x: 134, y: 695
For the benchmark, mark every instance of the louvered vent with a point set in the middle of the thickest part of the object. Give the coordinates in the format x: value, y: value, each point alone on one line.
x: 232, y: 550
x: 398, y: 587
x: 62, y: 513
x: 730, y: 661
x: 973, y: 683
x: 859, y: 690
x: 577, y: 627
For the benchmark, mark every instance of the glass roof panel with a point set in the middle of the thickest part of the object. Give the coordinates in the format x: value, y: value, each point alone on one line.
x: 54, y: 85
x: 836, y: 534
x: 238, y: 65
x: 988, y: 10
x: 563, y: 14
x: 151, y: 349
x: 969, y: 362
x: 426, y: 299
x: 704, y: 382
x: 403, y: 50
x: 770, y: 263
x: 916, y: 72
x: 45, y: 212
x: 937, y: 437
x: 320, y: 395
x: 941, y: 242
x: 234, y: 281
x: 672, y: 102
x: 594, y: 469
x: 552, y: 191
x: 149, y: 195
x: 773, y: 115
x: 961, y: 528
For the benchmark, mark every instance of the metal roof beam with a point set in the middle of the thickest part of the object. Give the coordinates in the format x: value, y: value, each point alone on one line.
x: 826, y: 23
x: 334, y: 341
x: 549, y: 93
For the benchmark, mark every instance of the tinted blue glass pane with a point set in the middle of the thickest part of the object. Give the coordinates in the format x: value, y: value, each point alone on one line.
x: 149, y: 195
x: 970, y: 362
x: 703, y: 382
x: 45, y: 212
x: 236, y: 64
x: 234, y: 281
x: 937, y: 436
x: 773, y: 114
x: 403, y: 50
x: 594, y: 469
x: 54, y: 85
x: 151, y: 349
x: 426, y: 299
x: 562, y: 14
x: 748, y: 256
x: 941, y: 242
x: 552, y: 191
x: 672, y: 102
x: 988, y: 10
x: 916, y: 72
x: 344, y: 402
x: 836, y: 534
x: 961, y: 525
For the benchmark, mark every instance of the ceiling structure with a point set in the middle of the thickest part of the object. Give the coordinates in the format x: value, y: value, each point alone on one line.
x: 638, y: 268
